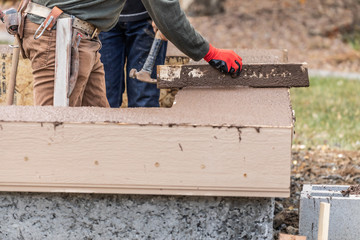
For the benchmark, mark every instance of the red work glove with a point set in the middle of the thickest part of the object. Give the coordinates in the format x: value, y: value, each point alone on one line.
x: 226, y: 61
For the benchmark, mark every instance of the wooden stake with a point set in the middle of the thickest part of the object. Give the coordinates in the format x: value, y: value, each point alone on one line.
x: 283, y: 236
x: 62, y: 61
x: 324, y: 218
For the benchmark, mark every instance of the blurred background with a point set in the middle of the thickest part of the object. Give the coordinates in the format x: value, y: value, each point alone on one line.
x: 324, y: 33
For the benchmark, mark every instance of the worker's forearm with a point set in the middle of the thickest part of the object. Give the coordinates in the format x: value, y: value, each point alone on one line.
x: 172, y: 22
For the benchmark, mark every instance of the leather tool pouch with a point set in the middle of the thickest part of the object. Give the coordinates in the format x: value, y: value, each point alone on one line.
x: 12, y: 22
x: 20, y: 31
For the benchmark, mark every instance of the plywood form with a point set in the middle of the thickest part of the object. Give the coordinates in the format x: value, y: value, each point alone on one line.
x: 204, y: 145
x: 106, y: 158
x: 231, y: 143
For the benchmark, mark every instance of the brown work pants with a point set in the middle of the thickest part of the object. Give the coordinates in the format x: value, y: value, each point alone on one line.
x: 90, y: 87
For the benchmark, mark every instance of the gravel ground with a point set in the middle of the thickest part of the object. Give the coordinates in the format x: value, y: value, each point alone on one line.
x: 319, y: 165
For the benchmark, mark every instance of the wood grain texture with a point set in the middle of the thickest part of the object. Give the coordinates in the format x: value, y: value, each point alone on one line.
x: 113, y: 158
x: 253, y: 75
x: 283, y: 236
x: 324, y: 219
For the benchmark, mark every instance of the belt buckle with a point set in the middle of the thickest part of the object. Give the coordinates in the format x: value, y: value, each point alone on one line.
x: 94, y: 34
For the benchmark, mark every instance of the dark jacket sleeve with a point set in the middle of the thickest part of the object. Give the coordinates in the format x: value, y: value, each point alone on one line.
x: 173, y: 23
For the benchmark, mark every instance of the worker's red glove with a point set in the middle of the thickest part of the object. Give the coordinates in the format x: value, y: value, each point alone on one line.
x: 226, y: 61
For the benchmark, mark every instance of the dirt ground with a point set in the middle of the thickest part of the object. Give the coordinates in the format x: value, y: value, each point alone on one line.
x: 318, y: 165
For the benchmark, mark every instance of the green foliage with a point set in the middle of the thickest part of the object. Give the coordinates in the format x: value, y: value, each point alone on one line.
x: 353, y: 39
x: 4, y: 42
x: 328, y: 113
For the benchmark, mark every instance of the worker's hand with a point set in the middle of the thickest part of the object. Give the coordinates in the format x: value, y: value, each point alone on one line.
x: 226, y: 61
x: 162, y: 36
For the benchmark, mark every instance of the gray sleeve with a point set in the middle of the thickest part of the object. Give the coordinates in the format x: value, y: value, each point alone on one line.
x: 173, y: 23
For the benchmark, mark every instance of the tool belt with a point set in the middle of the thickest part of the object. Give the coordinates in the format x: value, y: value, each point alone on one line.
x: 79, y: 29
x: 45, y: 12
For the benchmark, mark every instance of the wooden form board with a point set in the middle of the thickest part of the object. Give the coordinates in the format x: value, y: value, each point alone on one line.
x: 226, y: 145
x: 252, y: 75
x: 111, y: 158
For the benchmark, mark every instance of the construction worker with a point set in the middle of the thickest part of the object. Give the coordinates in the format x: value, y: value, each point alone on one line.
x: 90, y: 17
x: 130, y: 42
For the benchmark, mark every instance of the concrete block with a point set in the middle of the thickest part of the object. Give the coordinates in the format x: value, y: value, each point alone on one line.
x: 97, y: 216
x: 344, y: 212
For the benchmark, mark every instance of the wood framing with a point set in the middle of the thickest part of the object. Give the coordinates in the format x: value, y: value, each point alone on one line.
x: 107, y: 158
x: 252, y: 75
x: 229, y: 142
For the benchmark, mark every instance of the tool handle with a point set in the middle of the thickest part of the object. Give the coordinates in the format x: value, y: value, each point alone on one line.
x: 14, y: 67
x: 154, y: 51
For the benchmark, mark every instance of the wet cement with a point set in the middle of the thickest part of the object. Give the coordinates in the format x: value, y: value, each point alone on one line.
x: 252, y: 75
x: 239, y: 107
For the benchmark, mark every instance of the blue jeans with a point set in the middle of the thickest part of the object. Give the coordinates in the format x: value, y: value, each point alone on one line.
x: 130, y: 43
